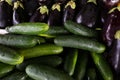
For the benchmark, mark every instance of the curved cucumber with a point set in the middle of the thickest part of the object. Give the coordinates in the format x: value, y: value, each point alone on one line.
x: 80, y: 42
x: 5, y: 68
x: 20, y: 41
x: 40, y: 50
x: 10, y: 56
x: 46, y: 73
x: 79, y: 29
x: 46, y: 60
x: 28, y: 28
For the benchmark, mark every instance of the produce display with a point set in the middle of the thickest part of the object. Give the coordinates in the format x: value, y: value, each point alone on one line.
x: 60, y: 40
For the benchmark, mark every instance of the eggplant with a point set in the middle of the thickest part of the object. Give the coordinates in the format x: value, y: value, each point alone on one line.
x: 41, y: 14
x: 19, y: 14
x: 55, y: 15
x: 69, y: 11
x: 88, y: 14
x: 111, y: 25
x: 5, y: 14
x: 114, y: 54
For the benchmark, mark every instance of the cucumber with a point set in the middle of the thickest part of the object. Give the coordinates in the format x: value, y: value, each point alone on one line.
x: 28, y: 28
x: 79, y: 29
x: 17, y: 76
x: 80, y: 42
x: 102, y: 66
x: 18, y: 41
x: 81, y: 66
x: 70, y: 61
x: 5, y: 68
x: 42, y: 72
x: 10, y: 56
x: 46, y: 60
x: 54, y: 31
x: 40, y: 50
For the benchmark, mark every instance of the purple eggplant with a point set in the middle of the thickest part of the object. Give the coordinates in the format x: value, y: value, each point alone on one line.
x: 41, y: 14
x: 88, y: 14
x: 19, y: 14
x: 112, y: 24
x: 5, y: 14
x: 55, y: 15
x: 69, y: 11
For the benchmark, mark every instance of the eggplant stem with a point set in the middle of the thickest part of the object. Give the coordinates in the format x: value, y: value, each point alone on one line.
x: 43, y: 9
x: 72, y: 4
x: 117, y: 35
x: 18, y: 4
x: 56, y: 6
x: 93, y: 1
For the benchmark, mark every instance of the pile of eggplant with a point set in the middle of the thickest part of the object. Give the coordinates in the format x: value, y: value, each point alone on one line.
x: 101, y: 15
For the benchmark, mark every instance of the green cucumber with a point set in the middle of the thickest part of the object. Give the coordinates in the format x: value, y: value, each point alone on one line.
x: 10, y: 56
x: 28, y: 28
x: 17, y: 76
x: 102, y: 66
x: 42, y: 72
x: 47, y: 60
x: 5, y: 68
x: 79, y: 29
x: 40, y: 50
x: 81, y: 66
x: 18, y: 41
x: 70, y: 61
x: 80, y: 42
x: 54, y: 31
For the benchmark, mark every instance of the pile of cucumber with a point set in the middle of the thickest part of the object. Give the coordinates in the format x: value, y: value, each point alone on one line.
x: 35, y: 51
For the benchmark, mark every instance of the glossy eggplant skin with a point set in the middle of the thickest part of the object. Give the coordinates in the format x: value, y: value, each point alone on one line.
x: 38, y: 16
x: 55, y: 15
x: 19, y: 14
x: 69, y: 11
x: 112, y: 24
x: 5, y: 14
x: 87, y: 15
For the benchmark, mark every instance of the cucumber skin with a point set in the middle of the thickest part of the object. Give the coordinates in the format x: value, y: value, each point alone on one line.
x: 18, y: 41
x: 41, y: 50
x: 10, y: 56
x: 80, y: 42
x: 28, y: 28
x: 43, y: 72
x: 79, y: 29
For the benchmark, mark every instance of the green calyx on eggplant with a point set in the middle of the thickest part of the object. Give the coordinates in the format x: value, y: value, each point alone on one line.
x: 88, y: 14
x: 69, y: 11
x: 114, y: 53
x: 55, y: 15
x: 41, y: 14
x: 111, y: 25
x: 19, y: 14
x: 5, y: 14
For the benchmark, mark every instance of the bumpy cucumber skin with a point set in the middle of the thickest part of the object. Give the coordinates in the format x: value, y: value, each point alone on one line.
x: 79, y: 29
x: 5, y: 68
x: 42, y: 72
x: 40, y: 50
x: 28, y: 28
x: 10, y: 56
x: 18, y: 41
x: 80, y: 42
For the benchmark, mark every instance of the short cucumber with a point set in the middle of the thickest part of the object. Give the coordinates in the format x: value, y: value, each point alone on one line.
x: 10, y: 56
x: 102, y: 66
x: 40, y: 50
x: 81, y: 66
x: 79, y: 29
x: 19, y: 41
x: 70, y: 61
x: 54, y: 31
x: 28, y: 28
x: 42, y: 72
x: 51, y: 60
x: 79, y: 42
x: 5, y: 68
x: 17, y: 76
